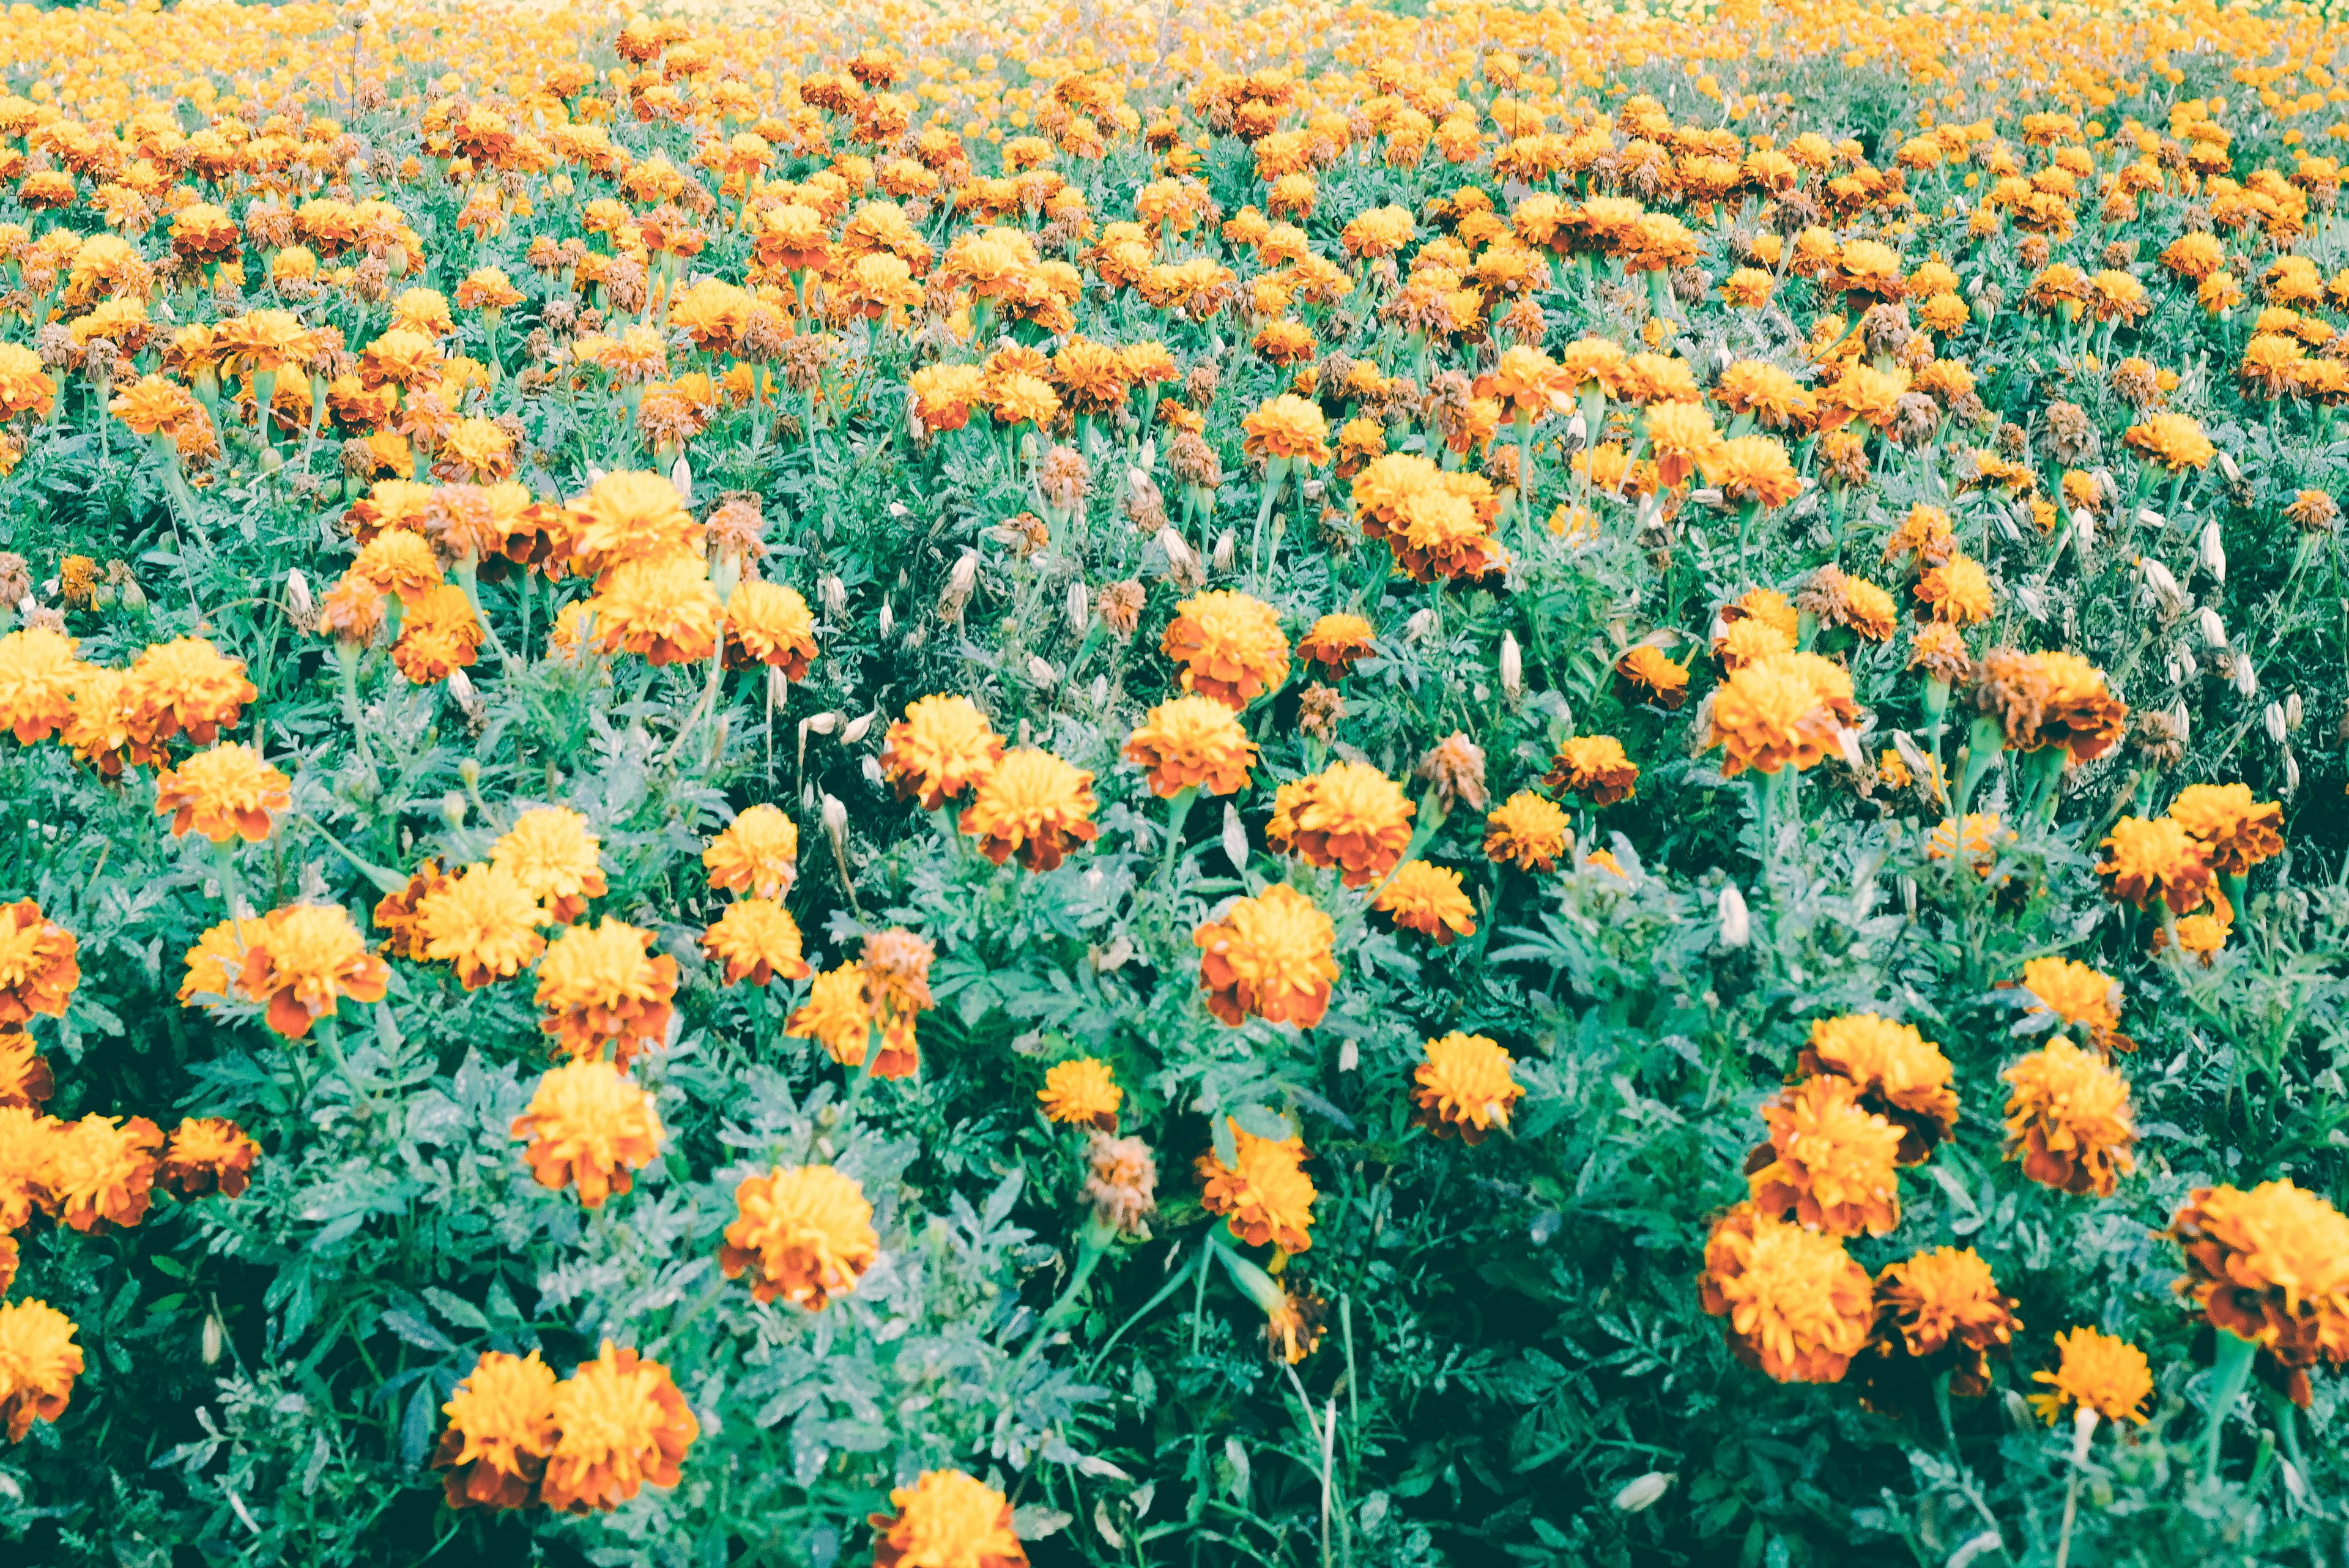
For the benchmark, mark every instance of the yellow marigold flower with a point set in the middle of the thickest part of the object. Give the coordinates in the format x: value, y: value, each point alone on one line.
x: 1751, y: 468
x: 1293, y: 1328
x: 1192, y: 742
x: 1527, y: 832
x: 1229, y: 646
x: 101, y: 1171
x: 304, y: 958
x: 2236, y: 832
x: 2086, y: 998
x: 621, y: 1426
x: 1265, y: 1193
x: 38, y: 969
x: 223, y: 793
x: 2052, y: 699
x: 630, y: 516
x: 1957, y: 591
x: 440, y: 633
x: 1594, y: 767
x: 557, y: 861
x: 25, y: 384
x: 1033, y: 804
x: 25, y: 1078
x: 2204, y: 932
x: 395, y: 912
x: 180, y: 686
x: 1798, y: 1307
x: 1742, y: 642
x: 38, y: 1364
x: 214, y: 967
x: 590, y: 1127
x: 756, y: 940
x: 1464, y: 1085
x: 482, y: 920
x: 947, y: 1520
x: 1783, y: 708
x: 599, y: 984
x: 1901, y: 1076
x: 27, y: 1147
x: 1270, y: 957
x: 1288, y: 427
x: 1338, y: 643
x: 39, y: 673
x: 2270, y: 1266
x: 1680, y: 436
x: 1945, y: 1306
x: 500, y: 1429
x: 840, y: 1014
x: 209, y: 1154
x: 942, y: 747
x: 1349, y: 816
x: 1829, y: 1161
x: 1649, y: 675
x: 1082, y: 1091
x: 2099, y: 1372
x: 399, y: 562
x: 767, y: 623
x: 2174, y: 440
x: 2156, y: 859
x: 2068, y: 1120
x: 1427, y: 898
x: 1981, y: 833
x: 805, y: 1235
x: 663, y: 608
x: 758, y: 854
x: 1840, y: 599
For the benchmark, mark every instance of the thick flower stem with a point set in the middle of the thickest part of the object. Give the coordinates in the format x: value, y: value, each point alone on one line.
x: 2233, y: 1370
x: 468, y: 571
x: 330, y: 1035
x: 1984, y: 742
x: 1276, y: 469
x: 347, y: 667
x: 2084, y: 1430
x: 224, y: 866
x: 1178, y: 812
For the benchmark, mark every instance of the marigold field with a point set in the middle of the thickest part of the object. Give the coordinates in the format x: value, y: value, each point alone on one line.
x: 948, y: 786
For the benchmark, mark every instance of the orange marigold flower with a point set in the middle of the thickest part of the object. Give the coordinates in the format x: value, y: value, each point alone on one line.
x: 1750, y: 469
x: 38, y: 971
x: 1082, y: 1092
x: 947, y: 1520
x: 1977, y: 837
x: 101, y: 1171
x: 2176, y: 442
x: 1229, y: 646
x: 1270, y: 957
x: 1944, y: 1307
x: 482, y: 920
x: 1121, y: 1182
x: 440, y: 633
x: 840, y: 1015
x: 663, y: 608
x: 1527, y: 832
x: 590, y: 1127
x: 767, y: 623
x: 1784, y: 709
x: 1957, y: 591
x: 27, y: 1142
x: 756, y: 939
x: 622, y: 1426
x: 1349, y: 816
x: 1338, y: 643
x: 1798, y: 1307
x: 600, y: 984
x: 1192, y: 742
x: 1264, y: 1193
x: 303, y: 960
x: 1901, y: 1076
x: 1594, y: 767
x: 2236, y: 832
x: 756, y: 856
x: 1464, y: 1085
x: 2270, y: 1266
x: 395, y: 912
x: 1649, y: 675
x: 38, y: 1364
x: 182, y: 686
x: 1829, y: 1161
x: 2156, y: 858
x: 2099, y: 1372
x: 37, y: 675
x: 557, y: 861
x: 2076, y: 994
x: 1288, y: 427
x: 1742, y: 642
x: 209, y: 1154
x: 25, y: 1076
x: 500, y: 1430
x: 942, y: 747
x: 1033, y: 804
x: 631, y: 516
x: 2069, y: 1121
x: 805, y: 1233
x: 1427, y: 898
x: 223, y: 793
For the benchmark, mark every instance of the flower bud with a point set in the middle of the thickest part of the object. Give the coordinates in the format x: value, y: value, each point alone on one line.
x: 2166, y: 594
x: 681, y: 475
x: 2227, y: 468
x: 1041, y: 673
x: 1225, y: 548
x: 2271, y: 720
x: 1236, y: 839
x: 1420, y: 627
x: 2293, y: 714
x: 1736, y: 925
x: 299, y: 605
x: 856, y: 728
x: 1847, y: 742
x: 1080, y: 608
x: 833, y: 593
x: 2291, y: 772
x: 2211, y: 552
x: 2247, y: 676
x: 888, y: 620
x: 215, y: 1338
x: 1179, y: 558
x: 2214, y: 630
x: 1513, y: 667
x: 1643, y: 1493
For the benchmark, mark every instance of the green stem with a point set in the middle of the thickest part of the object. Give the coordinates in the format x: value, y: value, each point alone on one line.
x: 2228, y: 1378
x: 1178, y: 812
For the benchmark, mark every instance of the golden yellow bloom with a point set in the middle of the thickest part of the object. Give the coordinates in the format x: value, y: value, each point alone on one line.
x: 38, y: 1364
x: 1901, y: 1076
x: 1957, y: 591
x: 440, y: 633
x: 1349, y: 816
x: 1229, y: 646
x: 209, y: 1154
x: 767, y: 623
x: 805, y: 1235
x: 223, y: 793
x: 621, y: 1426
x: 662, y: 607
x: 1082, y: 1090
x: 1798, y: 1307
x: 947, y: 1520
x: 2271, y: 1266
x: 1288, y: 427
x: 1035, y: 805
x: 1192, y: 742
x: 2236, y: 832
x: 302, y: 960
x: 942, y: 747
x: 1783, y: 708
x: 1464, y: 1085
x: 1944, y: 1307
x: 1268, y: 957
x: 630, y: 516
x: 591, y: 1127
x: 1751, y: 468
x: 1594, y: 767
x: 1829, y: 1161
x: 2087, y: 998
x: 38, y: 968
x: 1428, y: 899
x: 2156, y: 859
x: 25, y: 1078
x: 180, y: 686
x: 27, y: 1148
x: 37, y: 675
x: 482, y: 920
x: 2068, y: 1120
x: 101, y: 1171
x: 1649, y: 675
x: 557, y: 861
x: 1338, y: 643
x: 758, y: 854
x: 2099, y: 1372
x: 1977, y: 837
x: 756, y: 940
x: 500, y: 1429
x: 1527, y: 832
x: 1265, y: 1193
x: 599, y: 985
x: 2176, y: 442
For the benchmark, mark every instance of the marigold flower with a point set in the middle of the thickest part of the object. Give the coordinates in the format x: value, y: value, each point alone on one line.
x: 1743, y: 642
x: 1798, y: 1307
x: 1035, y: 805
x: 1594, y: 767
x: 947, y: 1520
x: 1293, y: 1328
x: 1750, y: 469
x: 630, y: 516
x: 27, y: 1145
x: 2270, y: 1266
x: 1649, y: 675
x: 208, y: 1154
x: 1464, y: 1085
x: 2176, y: 442
x: 1349, y: 816
x: 439, y: 633
x: 2235, y: 831
x: 758, y: 854
x: 756, y: 941
x: 500, y: 1430
x: 621, y: 1426
x: 482, y: 920
x: 1978, y: 838
x: 180, y: 686
x: 2068, y: 1120
x: 804, y: 1234
x: 1783, y: 708
x: 101, y: 1171
x: 1288, y: 427
x: 942, y: 747
x: 2099, y: 1372
x: 767, y: 623
x: 1229, y: 646
x: 841, y: 1014
x: 598, y: 984
x: 1945, y: 1307
x: 1957, y: 591
x: 1427, y: 898
x: 557, y: 861
x: 1453, y: 770
x: 1901, y: 1076
x: 1527, y: 832
x: 37, y: 675
x: 38, y: 1364
x: 590, y: 1127
x: 2156, y: 859
x: 304, y: 959
x: 1338, y: 643
x: 2076, y: 994
x: 1264, y: 1194
x: 1829, y: 1161
x: 1840, y: 599
x: 1192, y: 742
x: 223, y: 793
x: 1121, y: 1182
x: 25, y: 1078
x: 1270, y: 957
x: 1082, y: 1092
x: 1938, y: 649
x: 38, y: 971
x: 663, y: 608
